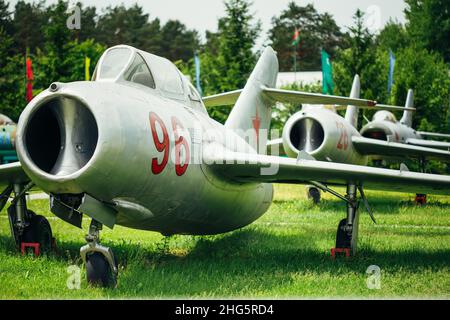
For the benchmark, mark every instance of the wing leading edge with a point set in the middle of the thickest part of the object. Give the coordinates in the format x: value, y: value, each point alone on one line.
x: 369, y: 146
x: 429, y: 143
x: 12, y: 173
x: 243, y: 167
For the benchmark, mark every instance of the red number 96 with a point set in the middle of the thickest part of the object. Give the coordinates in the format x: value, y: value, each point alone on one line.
x: 163, y: 146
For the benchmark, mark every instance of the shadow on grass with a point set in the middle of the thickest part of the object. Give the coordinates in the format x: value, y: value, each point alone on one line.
x: 239, y: 263
x: 383, y: 206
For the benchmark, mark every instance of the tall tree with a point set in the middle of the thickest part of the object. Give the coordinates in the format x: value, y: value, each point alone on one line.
x: 361, y: 58
x: 180, y: 43
x: 121, y: 25
x: 237, y: 37
x: 317, y: 31
x: 427, y: 74
x: 29, y: 20
x: 429, y: 24
x: 393, y: 37
x: 228, y: 58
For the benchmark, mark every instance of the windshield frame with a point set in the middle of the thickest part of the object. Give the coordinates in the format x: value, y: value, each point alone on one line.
x: 121, y: 72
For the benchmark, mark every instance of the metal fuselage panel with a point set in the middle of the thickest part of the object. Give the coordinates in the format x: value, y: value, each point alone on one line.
x: 121, y: 169
x: 337, y: 137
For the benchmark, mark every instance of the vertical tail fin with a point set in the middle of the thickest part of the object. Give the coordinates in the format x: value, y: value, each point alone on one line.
x: 407, y: 118
x: 352, y: 112
x: 252, y: 112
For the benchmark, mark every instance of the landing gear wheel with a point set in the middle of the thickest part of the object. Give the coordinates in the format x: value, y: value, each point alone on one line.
x: 343, y: 238
x: 39, y: 231
x: 314, y: 194
x: 98, y: 271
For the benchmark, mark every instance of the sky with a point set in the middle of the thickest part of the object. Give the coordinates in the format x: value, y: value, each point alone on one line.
x: 202, y: 15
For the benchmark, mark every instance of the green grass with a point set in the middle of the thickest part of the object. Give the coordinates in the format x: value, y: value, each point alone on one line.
x: 285, y: 254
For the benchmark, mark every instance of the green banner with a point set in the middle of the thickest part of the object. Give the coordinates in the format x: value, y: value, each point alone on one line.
x: 327, y: 74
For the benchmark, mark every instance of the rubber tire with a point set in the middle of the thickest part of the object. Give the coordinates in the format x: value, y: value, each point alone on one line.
x: 98, y: 271
x: 314, y: 194
x: 343, y: 239
x: 39, y: 231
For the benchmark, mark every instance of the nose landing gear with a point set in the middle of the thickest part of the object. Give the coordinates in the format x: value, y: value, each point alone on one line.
x: 101, y: 267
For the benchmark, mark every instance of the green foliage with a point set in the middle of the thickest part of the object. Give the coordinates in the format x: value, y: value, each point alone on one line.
x: 12, y: 85
x: 429, y: 25
x: 427, y: 74
x: 392, y: 37
x: 227, y: 58
x: 416, y: 68
x: 317, y: 31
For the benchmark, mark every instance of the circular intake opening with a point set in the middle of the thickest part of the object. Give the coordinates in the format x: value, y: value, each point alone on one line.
x: 307, y: 134
x: 375, y: 134
x: 61, y: 136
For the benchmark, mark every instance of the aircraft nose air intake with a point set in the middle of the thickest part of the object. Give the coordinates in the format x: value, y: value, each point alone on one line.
x: 307, y: 134
x: 60, y: 136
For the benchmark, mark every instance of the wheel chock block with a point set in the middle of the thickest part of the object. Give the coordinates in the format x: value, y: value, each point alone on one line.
x: 346, y: 251
x: 34, y: 245
x: 421, y: 199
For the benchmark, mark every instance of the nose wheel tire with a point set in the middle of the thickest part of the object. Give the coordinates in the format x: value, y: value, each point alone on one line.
x: 98, y: 271
x: 314, y: 195
x: 343, y: 238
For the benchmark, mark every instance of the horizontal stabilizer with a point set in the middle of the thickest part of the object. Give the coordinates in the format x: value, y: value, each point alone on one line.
x: 288, y: 96
x: 222, y: 99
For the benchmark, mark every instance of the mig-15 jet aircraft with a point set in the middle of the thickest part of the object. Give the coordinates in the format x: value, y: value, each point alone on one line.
x: 135, y: 147
x: 385, y: 127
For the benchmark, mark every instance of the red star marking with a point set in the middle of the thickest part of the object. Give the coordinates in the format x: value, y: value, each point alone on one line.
x: 257, y: 125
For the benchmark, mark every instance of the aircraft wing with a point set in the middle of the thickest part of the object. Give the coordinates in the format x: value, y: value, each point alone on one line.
x: 276, y: 146
x: 381, y: 107
x: 288, y: 96
x: 369, y: 146
x: 434, y: 135
x: 12, y: 173
x: 429, y: 143
x: 242, y: 167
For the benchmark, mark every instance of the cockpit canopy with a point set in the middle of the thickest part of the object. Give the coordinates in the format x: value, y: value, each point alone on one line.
x: 384, y: 116
x: 128, y: 65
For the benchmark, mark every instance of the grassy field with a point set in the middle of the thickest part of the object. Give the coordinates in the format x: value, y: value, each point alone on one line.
x: 285, y: 254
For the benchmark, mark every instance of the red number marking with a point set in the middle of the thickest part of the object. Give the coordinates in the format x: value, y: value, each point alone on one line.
x: 343, y: 139
x: 161, y: 146
x: 179, y: 143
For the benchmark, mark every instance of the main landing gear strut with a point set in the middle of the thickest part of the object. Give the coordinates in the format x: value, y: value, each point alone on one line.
x: 30, y: 230
x: 347, y: 232
x: 27, y: 228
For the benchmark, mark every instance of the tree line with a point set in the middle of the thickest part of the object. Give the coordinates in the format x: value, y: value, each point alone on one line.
x: 228, y: 55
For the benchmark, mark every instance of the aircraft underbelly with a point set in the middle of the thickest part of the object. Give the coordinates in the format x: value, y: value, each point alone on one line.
x: 205, y: 209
